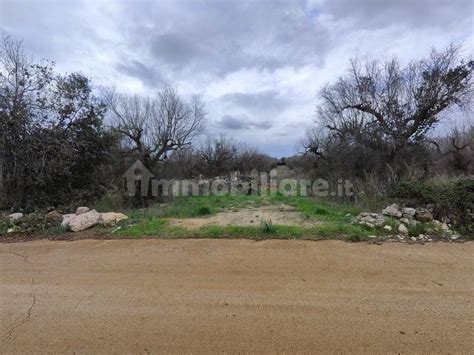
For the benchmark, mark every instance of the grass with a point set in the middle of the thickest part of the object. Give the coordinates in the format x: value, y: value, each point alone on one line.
x: 334, y: 219
x: 267, y: 227
x: 195, y: 206
x: 160, y: 228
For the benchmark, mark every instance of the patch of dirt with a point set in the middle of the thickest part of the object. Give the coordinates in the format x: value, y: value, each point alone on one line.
x: 235, y: 296
x: 279, y: 215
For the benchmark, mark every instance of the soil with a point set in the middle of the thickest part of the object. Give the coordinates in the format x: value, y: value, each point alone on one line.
x: 253, y: 216
x: 207, y: 296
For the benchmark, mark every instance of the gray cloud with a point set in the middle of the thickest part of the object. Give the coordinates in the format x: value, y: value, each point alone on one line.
x: 268, y: 100
x: 239, y: 123
x: 257, y: 63
x: 150, y: 76
x: 419, y: 13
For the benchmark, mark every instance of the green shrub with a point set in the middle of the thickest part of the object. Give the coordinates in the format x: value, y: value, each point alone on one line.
x: 414, y: 230
x: 203, y: 211
x: 321, y: 211
x: 453, y: 199
x: 412, y: 192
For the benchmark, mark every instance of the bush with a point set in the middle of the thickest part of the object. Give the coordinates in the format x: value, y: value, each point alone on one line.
x: 33, y: 223
x: 453, y: 199
x: 203, y: 211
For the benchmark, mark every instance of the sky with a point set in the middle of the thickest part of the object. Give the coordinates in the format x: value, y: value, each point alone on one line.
x: 257, y: 64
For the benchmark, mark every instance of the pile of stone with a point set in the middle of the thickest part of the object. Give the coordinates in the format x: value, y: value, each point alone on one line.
x: 85, y: 218
x: 79, y: 221
x: 404, y: 218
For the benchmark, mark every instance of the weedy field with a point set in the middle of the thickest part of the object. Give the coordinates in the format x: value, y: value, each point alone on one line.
x: 242, y: 216
x: 257, y: 217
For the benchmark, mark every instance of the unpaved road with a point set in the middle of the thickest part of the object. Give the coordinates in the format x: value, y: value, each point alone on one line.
x: 201, y: 296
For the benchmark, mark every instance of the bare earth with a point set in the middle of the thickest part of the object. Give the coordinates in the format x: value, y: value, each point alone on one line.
x: 253, y: 216
x: 201, y: 296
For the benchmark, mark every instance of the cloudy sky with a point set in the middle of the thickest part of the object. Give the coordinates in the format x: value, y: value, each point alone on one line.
x: 258, y: 64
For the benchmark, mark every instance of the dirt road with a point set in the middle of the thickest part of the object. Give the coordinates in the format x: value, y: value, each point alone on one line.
x: 201, y: 296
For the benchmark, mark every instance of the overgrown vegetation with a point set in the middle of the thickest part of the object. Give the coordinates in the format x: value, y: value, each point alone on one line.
x: 52, y: 138
x: 453, y: 199
x: 335, y: 221
x: 374, y: 126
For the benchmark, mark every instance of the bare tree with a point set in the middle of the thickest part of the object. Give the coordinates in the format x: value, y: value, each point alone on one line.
x: 314, y: 142
x: 219, y: 154
x: 456, y: 149
x: 385, y: 104
x: 174, y: 123
x: 132, y: 115
x: 157, y: 126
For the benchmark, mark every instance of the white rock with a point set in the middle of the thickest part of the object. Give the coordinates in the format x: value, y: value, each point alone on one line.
x: 66, y: 219
x: 402, y: 229
x: 111, y: 218
x: 421, y: 236
x: 10, y: 230
x: 413, y: 238
x: 15, y: 217
x: 409, y: 211
x: 405, y: 220
x: 81, y: 210
x: 430, y: 240
x: 444, y: 227
x: 392, y: 210
x: 372, y: 236
x: 84, y: 221
x: 388, y: 228
x: 454, y: 237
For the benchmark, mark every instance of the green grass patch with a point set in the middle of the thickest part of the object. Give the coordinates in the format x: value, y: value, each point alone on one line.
x: 160, y: 228
x: 333, y: 219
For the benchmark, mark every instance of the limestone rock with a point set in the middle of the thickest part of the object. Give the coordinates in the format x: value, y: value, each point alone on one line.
x: 405, y: 220
x: 370, y: 219
x: 81, y: 210
x: 66, y: 219
x: 409, y: 211
x: 402, y: 229
x: 444, y: 227
x: 111, y: 218
x: 84, y: 221
x: 392, y: 210
x: 54, y: 216
x: 15, y: 217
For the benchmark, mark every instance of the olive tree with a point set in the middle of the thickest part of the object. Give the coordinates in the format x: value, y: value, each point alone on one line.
x: 388, y: 109
x: 156, y: 126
